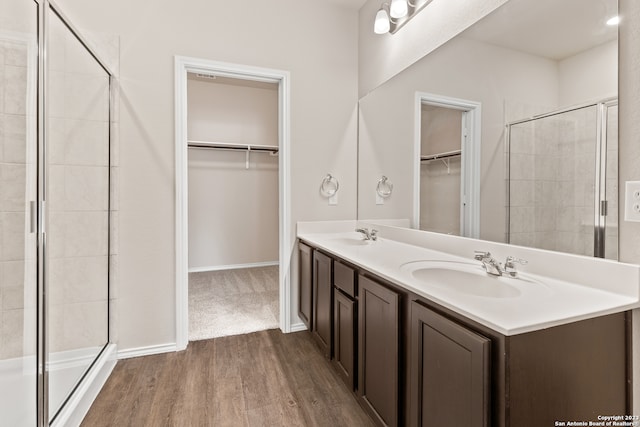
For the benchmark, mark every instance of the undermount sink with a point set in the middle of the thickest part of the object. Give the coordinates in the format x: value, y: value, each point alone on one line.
x: 465, y: 278
x: 352, y: 242
x: 352, y: 239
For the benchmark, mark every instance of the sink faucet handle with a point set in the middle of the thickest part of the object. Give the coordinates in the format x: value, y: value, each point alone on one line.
x: 480, y: 255
x: 510, y: 267
x: 374, y: 234
x: 365, y: 232
x: 511, y: 260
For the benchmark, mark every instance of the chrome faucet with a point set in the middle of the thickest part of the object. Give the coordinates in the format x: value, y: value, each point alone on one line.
x: 368, y: 235
x: 493, y: 267
x: 489, y: 263
x: 510, y: 267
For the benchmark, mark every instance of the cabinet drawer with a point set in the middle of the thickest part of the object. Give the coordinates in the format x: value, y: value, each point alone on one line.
x: 344, y: 279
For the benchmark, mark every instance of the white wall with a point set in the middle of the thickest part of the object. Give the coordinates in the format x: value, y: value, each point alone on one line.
x: 589, y: 75
x: 233, y: 211
x: 290, y: 35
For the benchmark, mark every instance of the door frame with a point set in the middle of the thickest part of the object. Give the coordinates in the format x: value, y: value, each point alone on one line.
x: 184, y: 65
x: 470, y: 162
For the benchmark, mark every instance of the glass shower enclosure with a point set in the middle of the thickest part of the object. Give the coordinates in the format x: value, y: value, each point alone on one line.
x: 562, y: 180
x: 55, y: 214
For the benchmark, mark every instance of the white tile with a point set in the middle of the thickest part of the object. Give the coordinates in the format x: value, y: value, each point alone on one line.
x: 11, y: 334
x: 12, y: 273
x: 13, y: 236
x: 87, y: 143
x: 521, y: 193
x: 56, y: 188
x: 15, y: 93
x: 15, y: 54
x: 86, y: 234
x: 522, y: 219
x: 13, y: 188
x: 86, y: 98
x: 86, y: 188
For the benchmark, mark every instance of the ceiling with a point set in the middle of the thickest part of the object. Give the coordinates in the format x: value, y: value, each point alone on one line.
x: 570, y: 26
x: 351, y: 4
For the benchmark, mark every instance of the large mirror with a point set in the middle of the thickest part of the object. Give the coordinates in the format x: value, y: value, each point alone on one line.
x: 508, y: 132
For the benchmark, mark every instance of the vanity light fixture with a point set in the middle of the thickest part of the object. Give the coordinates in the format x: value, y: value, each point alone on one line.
x: 391, y: 17
x: 398, y: 8
x: 382, y: 23
x: 613, y: 21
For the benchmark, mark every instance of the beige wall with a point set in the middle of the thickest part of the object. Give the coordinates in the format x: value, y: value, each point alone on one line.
x: 233, y: 211
x: 315, y: 41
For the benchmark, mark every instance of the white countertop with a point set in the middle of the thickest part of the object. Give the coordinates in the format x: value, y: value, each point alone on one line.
x: 540, y: 301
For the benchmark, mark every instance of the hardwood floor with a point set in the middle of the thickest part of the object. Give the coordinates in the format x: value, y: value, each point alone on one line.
x: 265, y: 378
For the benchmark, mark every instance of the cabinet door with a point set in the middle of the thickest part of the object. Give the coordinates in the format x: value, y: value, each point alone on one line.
x: 378, y: 332
x: 449, y: 372
x: 305, y: 294
x: 344, y: 323
x: 322, y: 302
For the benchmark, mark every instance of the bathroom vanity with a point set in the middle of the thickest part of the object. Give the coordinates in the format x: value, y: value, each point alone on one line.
x: 424, y: 337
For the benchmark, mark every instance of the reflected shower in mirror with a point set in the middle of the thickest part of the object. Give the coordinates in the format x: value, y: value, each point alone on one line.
x: 527, y: 58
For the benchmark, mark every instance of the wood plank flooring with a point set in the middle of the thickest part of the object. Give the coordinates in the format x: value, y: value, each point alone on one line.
x: 265, y: 378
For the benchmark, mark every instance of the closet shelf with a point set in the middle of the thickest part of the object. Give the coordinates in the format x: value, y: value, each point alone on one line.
x: 445, y: 155
x: 231, y: 146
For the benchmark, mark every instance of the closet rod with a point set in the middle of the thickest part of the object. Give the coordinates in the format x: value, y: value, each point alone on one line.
x: 229, y: 146
x: 453, y: 153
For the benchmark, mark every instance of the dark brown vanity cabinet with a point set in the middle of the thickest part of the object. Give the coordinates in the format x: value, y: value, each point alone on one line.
x: 464, y: 374
x: 449, y: 372
x: 414, y: 362
x: 322, y: 322
x: 344, y: 322
x: 305, y: 291
x: 379, y: 350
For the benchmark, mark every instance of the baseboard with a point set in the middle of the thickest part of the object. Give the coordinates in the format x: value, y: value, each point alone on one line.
x: 232, y: 266
x: 73, y: 412
x: 297, y: 327
x: 147, y: 351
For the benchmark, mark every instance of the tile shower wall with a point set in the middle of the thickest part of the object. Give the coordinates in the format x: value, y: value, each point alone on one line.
x: 552, y: 178
x: 17, y: 276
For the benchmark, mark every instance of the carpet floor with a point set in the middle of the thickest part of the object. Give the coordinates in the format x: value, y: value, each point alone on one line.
x: 233, y: 302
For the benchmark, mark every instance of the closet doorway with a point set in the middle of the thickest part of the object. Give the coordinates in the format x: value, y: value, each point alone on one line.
x: 232, y: 198
x: 447, y: 146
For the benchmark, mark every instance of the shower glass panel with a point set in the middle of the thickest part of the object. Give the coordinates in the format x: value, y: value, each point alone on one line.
x: 77, y: 173
x: 557, y: 170
x: 18, y: 186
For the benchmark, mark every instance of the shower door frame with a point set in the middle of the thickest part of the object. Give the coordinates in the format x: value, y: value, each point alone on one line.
x: 600, y: 199
x: 88, y: 386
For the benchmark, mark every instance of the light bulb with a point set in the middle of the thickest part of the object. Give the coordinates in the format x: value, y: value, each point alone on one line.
x: 381, y: 24
x: 398, y: 9
x: 613, y: 21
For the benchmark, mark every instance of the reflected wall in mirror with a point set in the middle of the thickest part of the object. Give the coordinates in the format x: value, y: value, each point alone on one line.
x: 526, y: 58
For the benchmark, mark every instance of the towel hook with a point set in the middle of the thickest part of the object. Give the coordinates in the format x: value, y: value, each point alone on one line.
x: 329, y: 186
x: 384, y: 187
